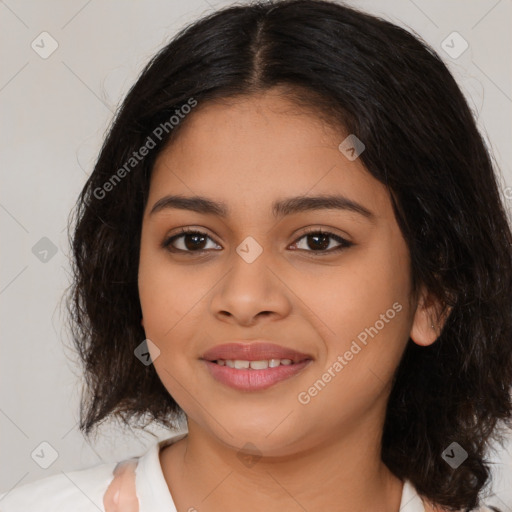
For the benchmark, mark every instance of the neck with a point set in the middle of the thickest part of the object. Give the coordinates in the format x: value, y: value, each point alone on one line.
x: 344, y: 474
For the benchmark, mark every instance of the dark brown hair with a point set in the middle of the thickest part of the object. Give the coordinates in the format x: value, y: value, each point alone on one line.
x: 395, y: 94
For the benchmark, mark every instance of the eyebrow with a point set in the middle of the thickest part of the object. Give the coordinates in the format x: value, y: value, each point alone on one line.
x: 280, y: 208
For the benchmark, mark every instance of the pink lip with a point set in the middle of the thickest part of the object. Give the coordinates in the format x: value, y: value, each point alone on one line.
x: 248, y: 379
x: 253, y: 352
x: 254, y: 380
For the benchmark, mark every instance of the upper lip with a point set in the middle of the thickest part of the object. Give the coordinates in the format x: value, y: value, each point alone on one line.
x: 258, y: 351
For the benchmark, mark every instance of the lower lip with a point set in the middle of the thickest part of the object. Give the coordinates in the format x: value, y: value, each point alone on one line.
x: 254, y: 380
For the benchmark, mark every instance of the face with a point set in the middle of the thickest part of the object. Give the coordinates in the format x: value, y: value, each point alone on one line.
x: 331, y: 282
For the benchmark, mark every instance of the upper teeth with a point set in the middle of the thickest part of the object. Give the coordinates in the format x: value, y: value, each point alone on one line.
x: 240, y: 364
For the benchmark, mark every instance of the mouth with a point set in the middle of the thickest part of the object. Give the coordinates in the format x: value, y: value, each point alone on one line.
x: 262, y: 364
x: 255, y: 366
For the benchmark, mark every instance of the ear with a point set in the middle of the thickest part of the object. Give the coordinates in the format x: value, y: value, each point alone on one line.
x: 427, y: 322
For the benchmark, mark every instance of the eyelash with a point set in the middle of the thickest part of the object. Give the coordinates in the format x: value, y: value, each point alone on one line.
x: 345, y: 244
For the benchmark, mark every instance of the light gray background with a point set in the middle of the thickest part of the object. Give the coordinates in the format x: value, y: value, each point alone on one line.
x: 54, y: 115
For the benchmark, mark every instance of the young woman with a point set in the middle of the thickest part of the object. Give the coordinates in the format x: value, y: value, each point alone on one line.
x: 293, y: 238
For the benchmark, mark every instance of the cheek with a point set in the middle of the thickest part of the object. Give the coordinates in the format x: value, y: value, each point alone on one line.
x: 157, y: 293
x: 172, y: 301
x: 364, y: 288
x: 167, y: 298
x: 367, y: 311
x: 164, y: 291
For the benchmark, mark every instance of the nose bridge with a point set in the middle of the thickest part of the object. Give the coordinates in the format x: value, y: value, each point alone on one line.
x: 249, y: 273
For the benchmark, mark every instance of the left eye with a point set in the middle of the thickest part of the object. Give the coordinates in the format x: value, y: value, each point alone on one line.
x: 194, y: 241
x: 321, y: 241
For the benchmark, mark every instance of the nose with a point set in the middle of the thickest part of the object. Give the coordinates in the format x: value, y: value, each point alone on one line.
x: 251, y: 291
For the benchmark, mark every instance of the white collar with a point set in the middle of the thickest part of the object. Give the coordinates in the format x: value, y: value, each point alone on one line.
x: 411, y: 502
x: 152, y: 489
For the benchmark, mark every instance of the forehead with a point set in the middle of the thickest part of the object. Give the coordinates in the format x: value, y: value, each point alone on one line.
x: 250, y: 150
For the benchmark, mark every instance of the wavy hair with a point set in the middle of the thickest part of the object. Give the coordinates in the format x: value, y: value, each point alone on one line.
x: 373, y: 79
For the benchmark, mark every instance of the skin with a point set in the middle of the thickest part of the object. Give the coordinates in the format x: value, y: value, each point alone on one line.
x: 323, y: 455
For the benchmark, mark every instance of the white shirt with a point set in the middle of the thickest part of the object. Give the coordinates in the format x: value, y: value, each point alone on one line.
x: 83, y: 490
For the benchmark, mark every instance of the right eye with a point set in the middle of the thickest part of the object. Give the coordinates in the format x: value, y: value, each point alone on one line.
x: 190, y: 240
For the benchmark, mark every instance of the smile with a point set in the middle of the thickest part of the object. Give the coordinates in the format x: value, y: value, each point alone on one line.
x: 241, y: 364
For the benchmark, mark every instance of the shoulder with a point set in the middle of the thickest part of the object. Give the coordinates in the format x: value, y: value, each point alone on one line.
x: 106, y: 487
x: 431, y: 508
x: 413, y: 502
x: 80, y: 491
